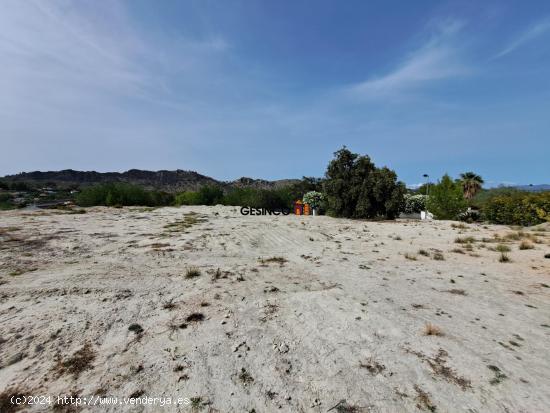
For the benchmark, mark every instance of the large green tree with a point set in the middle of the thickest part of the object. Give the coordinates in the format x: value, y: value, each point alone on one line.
x: 356, y: 188
x: 446, y: 199
x: 471, y: 184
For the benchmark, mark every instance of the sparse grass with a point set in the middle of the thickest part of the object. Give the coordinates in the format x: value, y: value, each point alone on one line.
x: 514, y: 236
x: 192, y: 272
x: 502, y: 248
x: 195, y: 317
x: 80, y: 361
x: 456, y: 291
x: 17, y: 272
x: 278, y: 260
x: 458, y: 251
x: 188, y: 221
x: 5, y: 230
x: 137, y: 394
x: 144, y: 209
x: 432, y: 330
x: 135, y: 328
x: 372, y: 366
x: 77, y: 211
x: 499, y: 375
x: 157, y: 245
x: 526, y: 245
x: 464, y: 240
x: 411, y: 257
x: 504, y: 258
x: 458, y: 226
x: 245, y: 377
x: 169, y: 305
x: 196, y: 403
x: 423, y: 400
x: 344, y: 407
x: 424, y: 253
x: 438, y: 256
x: 6, y: 406
x: 468, y: 247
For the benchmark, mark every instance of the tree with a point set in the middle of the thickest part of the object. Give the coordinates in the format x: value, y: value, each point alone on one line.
x: 306, y: 184
x: 356, y: 188
x: 446, y: 199
x: 471, y: 184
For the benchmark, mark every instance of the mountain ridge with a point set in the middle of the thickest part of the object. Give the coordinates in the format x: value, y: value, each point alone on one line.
x: 165, y: 180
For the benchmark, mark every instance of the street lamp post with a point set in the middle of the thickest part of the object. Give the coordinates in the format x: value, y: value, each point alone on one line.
x: 427, y: 183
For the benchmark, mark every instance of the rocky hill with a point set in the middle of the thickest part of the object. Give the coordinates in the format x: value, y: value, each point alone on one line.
x: 169, y: 181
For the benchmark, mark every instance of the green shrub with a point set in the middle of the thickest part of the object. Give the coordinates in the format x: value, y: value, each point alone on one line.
x: 414, y: 203
x: 206, y: 195
x: 121, y: 194
x: 446, y: 200
x: 517, y: 208
x: 5, y: 197
x: 253, y: 197
x: 20, y: 186
x: 259, y: 198
x: 188, y: 198
x: 315, y: 199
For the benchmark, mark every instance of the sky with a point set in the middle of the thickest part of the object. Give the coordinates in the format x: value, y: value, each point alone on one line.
x: 271, y: 89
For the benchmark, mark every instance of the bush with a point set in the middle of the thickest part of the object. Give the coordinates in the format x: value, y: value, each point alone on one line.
x: 471, y: 215
x: 517, y: 208
x: 207, y: 195
x: 121, y: 194
x: 187, y: 198
x: 356, y: 188
x: 259, y: 198
x: 253, y: 197
x: 5, y: 202
x: 414, y: 203
x: 306, y: 184
x: 20, y: 186
x: 315, y: 199
x: 446, y: 200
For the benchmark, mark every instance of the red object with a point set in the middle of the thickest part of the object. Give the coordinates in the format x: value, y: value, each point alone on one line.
x: 298, y: 208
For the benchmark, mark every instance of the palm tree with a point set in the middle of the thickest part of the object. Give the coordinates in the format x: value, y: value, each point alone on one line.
x: 471, y: 184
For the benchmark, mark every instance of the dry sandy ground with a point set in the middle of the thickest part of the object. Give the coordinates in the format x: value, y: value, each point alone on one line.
x: 306, y: 314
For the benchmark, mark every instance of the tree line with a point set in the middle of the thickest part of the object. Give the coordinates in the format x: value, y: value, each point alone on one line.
x: 353, y: 187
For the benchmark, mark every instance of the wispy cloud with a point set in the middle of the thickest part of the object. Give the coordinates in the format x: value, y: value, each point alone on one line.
x: 90, y: 52
x: 534, y: 31
x: 437, y: 59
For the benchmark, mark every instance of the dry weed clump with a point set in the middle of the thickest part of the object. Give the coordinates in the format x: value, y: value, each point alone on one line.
x: 80, y: 361
x: 432, y: 330
x: 502, y: 248
x: 464, y: 240
x: 192, y: 272
x: 526, y: 245
x: 278, y: 260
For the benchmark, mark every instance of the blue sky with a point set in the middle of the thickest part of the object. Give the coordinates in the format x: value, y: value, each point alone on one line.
x: 270, y: 89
